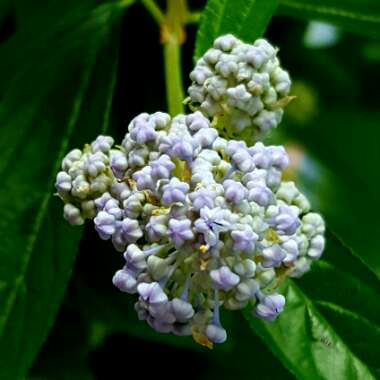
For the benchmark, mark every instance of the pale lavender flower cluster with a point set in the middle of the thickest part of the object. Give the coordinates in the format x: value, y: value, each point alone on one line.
x: 242, y: 84
x: 203, y: 222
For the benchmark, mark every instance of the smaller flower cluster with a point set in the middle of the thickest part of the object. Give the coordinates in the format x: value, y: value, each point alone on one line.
x: 85, y: 176
x: 203, y: 222
x: 242, y: 85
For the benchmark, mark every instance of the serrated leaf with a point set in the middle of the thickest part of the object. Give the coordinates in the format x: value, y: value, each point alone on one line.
x: 359, y: 16
x: 57, y: 95
x: 247, y: 19
x: 316, y: 336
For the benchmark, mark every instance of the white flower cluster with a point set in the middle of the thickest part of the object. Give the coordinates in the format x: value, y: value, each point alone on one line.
x: 241, y: 86
x: 203, y: 222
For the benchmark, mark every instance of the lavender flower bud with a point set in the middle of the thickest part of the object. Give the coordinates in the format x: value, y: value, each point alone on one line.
x: 244, y: 240
x: 134, y: 257
x: 105, y: 224
x: 142, y: 131
x: 162, y: 167
x: 182, y: 310
x: 157, y: 227
x: 144, y: 178
x: 152, y: 293
x: 217, y: 334
x: 205, y: 137
x: 202, y: 197
x: 180, y: 231
x: 273, y: 256
x: 270, y: 307
x: 102, y: 144
x: 287, y: 221
x: 317, y: 245
x: 118, y: 163
x: 196, y: 121
x: 101, y: 201
x: 223, y: 278
x: 262, y: 195
x: 131, y: 230
x: 211, y: 223
x: 291, y: 249
x: 174, y: 191
x: 125, y: 280
x: 235, y: 192
x: 183, y: 148
x: 63, y: 183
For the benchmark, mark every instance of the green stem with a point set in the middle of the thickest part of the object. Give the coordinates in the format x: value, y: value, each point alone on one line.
x: 173, y: 76
x: 172, y: 35
x: 154, y: 10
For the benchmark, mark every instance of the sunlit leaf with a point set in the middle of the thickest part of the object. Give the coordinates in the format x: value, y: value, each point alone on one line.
x: 247, y: 19
x: 317, y: 336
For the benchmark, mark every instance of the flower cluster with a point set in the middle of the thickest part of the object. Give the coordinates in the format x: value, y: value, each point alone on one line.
x: 203, y: 222
x: 242, y: 85
x: 85, y: 176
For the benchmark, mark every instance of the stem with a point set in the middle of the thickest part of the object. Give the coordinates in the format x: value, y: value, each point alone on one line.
x: 216, y: 316
x: 173, y: 76
x: 173, y: 35
x: 154, y: 10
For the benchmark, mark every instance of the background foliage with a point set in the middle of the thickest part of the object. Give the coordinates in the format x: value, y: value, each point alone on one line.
x: 70, y: 70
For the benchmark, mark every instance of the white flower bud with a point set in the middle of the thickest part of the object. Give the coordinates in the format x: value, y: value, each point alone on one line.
x: 72, y: 214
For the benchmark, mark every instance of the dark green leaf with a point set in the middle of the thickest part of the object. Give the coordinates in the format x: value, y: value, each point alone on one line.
x: 56, y: 94
x: 247, y: 19
x: 346, y: 176
x: 359, y: 16
x: 317, y: 336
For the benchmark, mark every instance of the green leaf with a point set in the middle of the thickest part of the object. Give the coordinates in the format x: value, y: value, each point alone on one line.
x: 246, y: 19
x: 359, y: 16
x: 346, y: 176
x: 317, y: 336
x: 56, y: 94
